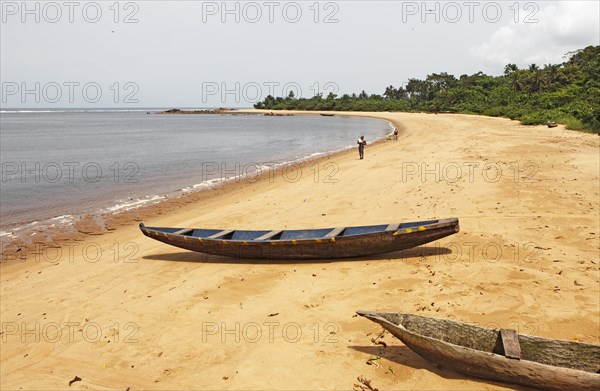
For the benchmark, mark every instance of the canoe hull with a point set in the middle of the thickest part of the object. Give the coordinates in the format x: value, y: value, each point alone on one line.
x: 493, y: 366
x: 319, y: 248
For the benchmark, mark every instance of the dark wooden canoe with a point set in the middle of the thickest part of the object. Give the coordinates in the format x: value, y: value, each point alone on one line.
x: 500, y: 355
x: 325, y: 243
x: 327, y: 114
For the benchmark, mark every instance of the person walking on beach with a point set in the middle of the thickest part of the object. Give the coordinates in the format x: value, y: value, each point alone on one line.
x: 396, y: 134
x: 361, y: 146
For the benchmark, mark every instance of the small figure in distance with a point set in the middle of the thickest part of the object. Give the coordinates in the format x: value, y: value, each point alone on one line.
x: 395, y: 134
x: 361, y: 146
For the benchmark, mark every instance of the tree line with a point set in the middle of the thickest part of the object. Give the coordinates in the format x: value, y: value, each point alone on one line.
x: 567, y: 93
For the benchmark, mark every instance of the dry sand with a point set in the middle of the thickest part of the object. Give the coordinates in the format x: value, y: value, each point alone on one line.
x: 120, y: 310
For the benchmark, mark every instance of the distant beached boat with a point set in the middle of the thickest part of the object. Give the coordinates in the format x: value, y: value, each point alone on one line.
x: 327, y: 115
x: 552, y: 124
x: 501, y: 355
x: 324, y: 243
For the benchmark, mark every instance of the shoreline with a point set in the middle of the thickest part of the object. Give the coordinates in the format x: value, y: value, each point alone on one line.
x: 37, y: 236
x: 134, y: 312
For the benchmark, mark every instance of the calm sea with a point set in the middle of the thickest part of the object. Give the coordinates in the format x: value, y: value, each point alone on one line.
x: 63, y: 163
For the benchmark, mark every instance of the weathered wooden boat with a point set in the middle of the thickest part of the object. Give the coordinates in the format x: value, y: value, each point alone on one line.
x: 327, y: 114
x: 325, y: 243
x: 501, y: 355
x: 552, y: 124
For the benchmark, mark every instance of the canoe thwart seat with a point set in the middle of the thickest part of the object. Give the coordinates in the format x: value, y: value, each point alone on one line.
x: 269, y: 235
x: 510, y: 341
x: 335, y: 232
x: 184, y: 231
x: 221, y: 234
x: 392, y: 227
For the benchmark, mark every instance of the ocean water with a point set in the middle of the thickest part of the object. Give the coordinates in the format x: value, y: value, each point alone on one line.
x: 59, y: 164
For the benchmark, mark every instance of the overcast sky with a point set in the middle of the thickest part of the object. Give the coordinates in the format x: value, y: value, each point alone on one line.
x: 230, y: 54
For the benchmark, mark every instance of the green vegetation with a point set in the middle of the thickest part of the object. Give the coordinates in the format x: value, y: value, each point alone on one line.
x: 567, y: 93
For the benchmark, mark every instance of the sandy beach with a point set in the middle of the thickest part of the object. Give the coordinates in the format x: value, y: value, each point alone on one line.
x: 121, y: 311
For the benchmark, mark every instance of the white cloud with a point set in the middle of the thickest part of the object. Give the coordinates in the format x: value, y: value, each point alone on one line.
x: 561, y: 27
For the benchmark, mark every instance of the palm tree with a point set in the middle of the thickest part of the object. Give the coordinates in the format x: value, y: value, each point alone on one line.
x: 535, y: 78
x: 401, y: 93
x: 552, y: 74
x: 510, y: 68
x: 390, y: 92
x: 418, y: 89
x: 514, y: 77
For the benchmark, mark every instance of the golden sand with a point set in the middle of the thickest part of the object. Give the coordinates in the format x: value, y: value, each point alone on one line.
x: 120, y: 310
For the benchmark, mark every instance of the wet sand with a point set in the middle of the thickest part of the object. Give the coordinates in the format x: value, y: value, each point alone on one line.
x: 120, y: 310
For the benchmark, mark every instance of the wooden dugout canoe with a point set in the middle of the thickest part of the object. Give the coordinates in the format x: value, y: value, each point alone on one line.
x: 325, y: 243
x: 500, y: 355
